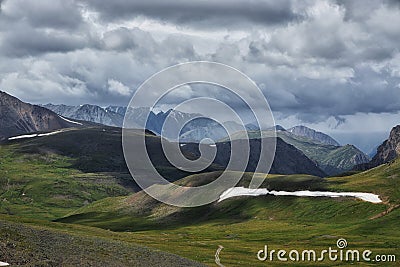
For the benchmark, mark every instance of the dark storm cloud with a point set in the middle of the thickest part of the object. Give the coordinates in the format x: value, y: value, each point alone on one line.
x: 31, y: 42
x: 199, y: 13
x: 30, y: 28
x: 43, y: 13
x: 315, y: 59
x: 315, y: 100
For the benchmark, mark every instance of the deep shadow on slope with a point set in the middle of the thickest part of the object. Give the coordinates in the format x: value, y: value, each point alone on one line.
x: 98, y: 149
x: 288, y: 159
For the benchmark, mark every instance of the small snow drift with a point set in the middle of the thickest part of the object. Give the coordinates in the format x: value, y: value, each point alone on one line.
x: 33, y: 135
x: 70, y: 121
x: 241, y: 191
x: 4, y: 264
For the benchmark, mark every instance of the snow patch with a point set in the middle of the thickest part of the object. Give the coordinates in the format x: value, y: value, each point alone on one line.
x: 51, y: 133
x: 33, y: 135
x: 4, y: 264
x: 22, y: 136
x: 67, y: 120
x: 241, y: 191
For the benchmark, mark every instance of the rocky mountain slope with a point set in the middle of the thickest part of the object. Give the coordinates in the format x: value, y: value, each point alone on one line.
x: 313, y: 135
x: 17, y: 118
x: 386, y: 152
x: 91, y: 113
x: 117, y: 109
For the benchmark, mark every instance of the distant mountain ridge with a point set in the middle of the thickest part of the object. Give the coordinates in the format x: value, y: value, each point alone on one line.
x: 91, y: 113
x: 194, y: 131
x: 329, y: 158
x: 18, y: 118
x: 313, y: 135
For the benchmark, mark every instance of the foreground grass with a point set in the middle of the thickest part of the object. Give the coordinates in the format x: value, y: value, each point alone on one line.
x: 28, y: 242
x: 284, y: 229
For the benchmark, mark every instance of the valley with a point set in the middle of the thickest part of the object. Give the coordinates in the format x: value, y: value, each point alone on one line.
x: 67, y: 198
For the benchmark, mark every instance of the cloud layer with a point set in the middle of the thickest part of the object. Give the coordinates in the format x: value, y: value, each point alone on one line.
x: 316, y: 61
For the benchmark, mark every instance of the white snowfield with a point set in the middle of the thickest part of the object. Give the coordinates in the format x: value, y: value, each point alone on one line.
x: 33, y: 135
x: 4, y: 264
x: 75, y: 122
x: 241, y: 191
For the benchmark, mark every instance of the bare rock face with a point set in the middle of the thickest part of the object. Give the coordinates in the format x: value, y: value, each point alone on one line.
x: 386, y: 152
x: 90, y: 113
x: 390, y: 149
x: 313, y: 135
x: 17, y: 117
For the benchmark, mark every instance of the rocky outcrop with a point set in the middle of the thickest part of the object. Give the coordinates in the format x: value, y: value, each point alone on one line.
x: 386, y: 152
x: 17, y: 118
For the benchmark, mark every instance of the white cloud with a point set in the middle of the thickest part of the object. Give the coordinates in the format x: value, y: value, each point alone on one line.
x: 118, y: 87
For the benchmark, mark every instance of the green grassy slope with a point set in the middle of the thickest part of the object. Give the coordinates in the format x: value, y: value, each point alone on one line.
x: 244, y: 225
x: 45, y: 186
x: 48, y: 177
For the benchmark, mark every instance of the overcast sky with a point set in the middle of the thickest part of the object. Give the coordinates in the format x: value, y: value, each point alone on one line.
x: 331, y: 65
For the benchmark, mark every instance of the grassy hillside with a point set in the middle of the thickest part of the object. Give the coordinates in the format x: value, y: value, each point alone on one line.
x: 48, y: 177
x: 383, y: 180
x: 45, y: 186
x: 243, y: 225
x: 104, y: 217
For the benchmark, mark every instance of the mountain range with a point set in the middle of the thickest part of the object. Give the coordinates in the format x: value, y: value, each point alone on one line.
x: 326, y: 155
x: 331, y: 159
x: 194, y: 131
